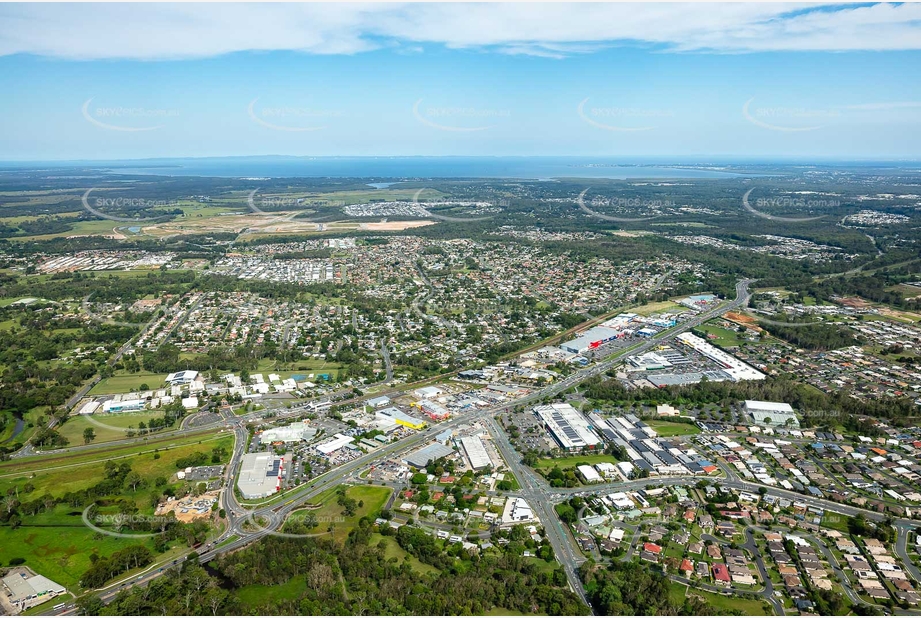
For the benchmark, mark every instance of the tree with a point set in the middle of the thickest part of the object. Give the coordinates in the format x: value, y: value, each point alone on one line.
x: 88, y: 435
x: 133, y: 480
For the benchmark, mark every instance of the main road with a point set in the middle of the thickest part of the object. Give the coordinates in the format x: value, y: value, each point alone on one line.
x: 243, y: 527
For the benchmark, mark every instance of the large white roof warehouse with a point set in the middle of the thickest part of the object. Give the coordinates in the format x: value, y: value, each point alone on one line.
x: 567, y: 426
x: 736, y: 369
x: 771, y: 413
x: 476, y: 452
x: 260, y: 475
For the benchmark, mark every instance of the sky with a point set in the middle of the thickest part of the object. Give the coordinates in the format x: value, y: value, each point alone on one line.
x: 129, y: 81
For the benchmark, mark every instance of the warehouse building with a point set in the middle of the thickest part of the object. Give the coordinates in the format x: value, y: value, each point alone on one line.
x: 568, y: 427
x: 771, y: 413
x: 588, y: 473
x: 260, y: 475
x: 295, y: 432
x: 395, y: 415
x: 428, y: 454
x: 591, y: 339
x: 736, y: 369
x: 476, y: 452
x: 25, y: 591
x: 335, y: 444
x: 181, y: 377
x: 89, y: 407
x: 128, y: 405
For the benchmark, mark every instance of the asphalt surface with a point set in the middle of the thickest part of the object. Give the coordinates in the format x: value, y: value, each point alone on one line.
x: 272, y: 513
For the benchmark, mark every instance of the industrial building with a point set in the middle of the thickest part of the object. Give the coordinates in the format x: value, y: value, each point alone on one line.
x: 771, y: 413
x: 296, y: 432
x: 517, y: 511
x: 190, y: 403
x: 428, y: 454
x: 728, y: 363
x: 588, y: 474
x: 181, y: 377
x: 89, y: 407
x: 379, y: 402
x: 335, y: 444
x: 128, y: 405
x: 592, y: 338
x: 395, y: 415
x: 434, y: 410
x: 476, y: 452
x: 26, y: 591
x: 568, y: 427
x: 260, y: 475
x: 428, y: 392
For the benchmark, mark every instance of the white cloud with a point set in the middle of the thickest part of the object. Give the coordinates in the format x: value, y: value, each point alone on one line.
x: 165, y: 31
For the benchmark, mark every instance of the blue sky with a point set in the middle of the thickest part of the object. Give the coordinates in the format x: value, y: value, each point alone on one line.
x: 137, y: 81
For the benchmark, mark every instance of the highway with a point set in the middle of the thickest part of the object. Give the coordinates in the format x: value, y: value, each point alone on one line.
x: 538, y: 496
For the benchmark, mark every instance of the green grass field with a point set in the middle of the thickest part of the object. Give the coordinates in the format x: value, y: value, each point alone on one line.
x: 667, y: 429
x: 107, y: 427
x: 57, y: 545
x: 128, y: 382
x: 568, y: 462
x: 75, y: 471
x: 331, y: 514
x: 748, y: 607
x: 392, y: 549
x: 724, y: 336
x: 658, y: 307
x: 93, y: 227
x: 255, y: 595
